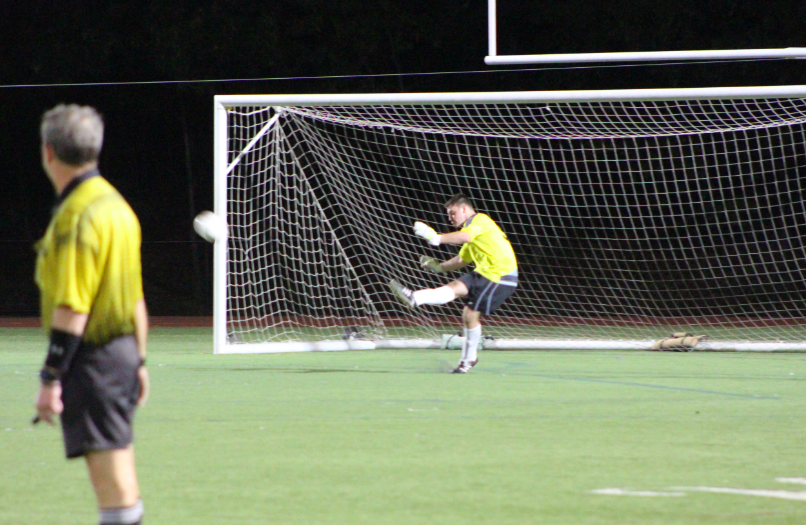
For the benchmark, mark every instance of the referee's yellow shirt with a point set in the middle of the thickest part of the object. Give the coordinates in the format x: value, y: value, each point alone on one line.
x: 89, y: 260
x: 488, y: 248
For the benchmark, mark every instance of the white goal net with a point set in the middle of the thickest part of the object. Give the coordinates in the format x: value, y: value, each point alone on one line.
x: 633, y: 215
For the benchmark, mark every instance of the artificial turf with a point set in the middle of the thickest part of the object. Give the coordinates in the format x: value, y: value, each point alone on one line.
x: 389, y: 437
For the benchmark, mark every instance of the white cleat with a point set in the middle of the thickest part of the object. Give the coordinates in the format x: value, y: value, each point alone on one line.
x: 403, y: 294
x: 464, y: 366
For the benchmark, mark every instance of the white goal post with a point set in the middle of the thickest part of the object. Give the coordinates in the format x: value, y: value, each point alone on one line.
x: 634, y: 214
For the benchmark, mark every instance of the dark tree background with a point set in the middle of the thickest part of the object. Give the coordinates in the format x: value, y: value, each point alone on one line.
x: 152, y: 68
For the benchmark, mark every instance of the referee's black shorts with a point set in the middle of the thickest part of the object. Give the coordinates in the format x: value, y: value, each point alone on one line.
x: 486, y: 296
x: 99, y: 393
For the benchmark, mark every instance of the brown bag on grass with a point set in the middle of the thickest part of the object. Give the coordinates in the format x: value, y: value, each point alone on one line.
x: 678, y: 342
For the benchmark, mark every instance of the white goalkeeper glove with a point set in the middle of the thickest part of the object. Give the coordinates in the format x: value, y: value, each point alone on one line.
x: 430, y: 264
x: 425, y: 231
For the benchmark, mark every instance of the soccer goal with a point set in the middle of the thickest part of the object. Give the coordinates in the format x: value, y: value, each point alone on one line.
x: 633, y: 213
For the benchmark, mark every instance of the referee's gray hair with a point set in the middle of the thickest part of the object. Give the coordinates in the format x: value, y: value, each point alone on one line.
x: 76, y: 133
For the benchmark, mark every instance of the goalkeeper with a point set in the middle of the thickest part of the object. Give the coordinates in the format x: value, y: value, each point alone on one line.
x: 484, y: 289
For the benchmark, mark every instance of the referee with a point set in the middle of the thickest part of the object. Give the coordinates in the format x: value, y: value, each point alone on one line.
x: 89, y: 275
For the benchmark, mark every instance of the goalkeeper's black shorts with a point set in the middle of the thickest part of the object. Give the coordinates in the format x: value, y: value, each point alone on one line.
x: 100, y: 393
x: 486, y: 296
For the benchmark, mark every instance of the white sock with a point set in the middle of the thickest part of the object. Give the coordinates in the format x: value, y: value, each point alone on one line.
x: 471, y: 346
x: 123, y: 515
x: 440, y: 295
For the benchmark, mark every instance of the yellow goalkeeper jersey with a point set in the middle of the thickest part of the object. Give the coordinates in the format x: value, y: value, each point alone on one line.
x: 488, y: 248
x: 89, y: 259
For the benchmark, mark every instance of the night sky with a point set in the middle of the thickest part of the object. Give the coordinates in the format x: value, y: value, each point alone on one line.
x: 152, y: 69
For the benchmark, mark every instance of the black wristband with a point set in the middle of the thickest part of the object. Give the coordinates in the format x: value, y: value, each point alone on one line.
x: 61, y: 351
x: 49, y: 375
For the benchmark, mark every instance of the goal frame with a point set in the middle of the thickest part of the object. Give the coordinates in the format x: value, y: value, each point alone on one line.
x: 494, y: 59
x: 222, y: 169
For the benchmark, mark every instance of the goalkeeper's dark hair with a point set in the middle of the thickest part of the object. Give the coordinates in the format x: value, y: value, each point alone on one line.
x: 76, y: 133
x: 459, y: 200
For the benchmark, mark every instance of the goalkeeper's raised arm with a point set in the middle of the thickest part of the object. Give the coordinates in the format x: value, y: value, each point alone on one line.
x: 428, y: 233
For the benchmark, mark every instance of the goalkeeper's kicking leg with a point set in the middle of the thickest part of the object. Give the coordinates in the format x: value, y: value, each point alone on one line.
x: 470, y: 317
x: 443, y: 295
x: 481, y: 295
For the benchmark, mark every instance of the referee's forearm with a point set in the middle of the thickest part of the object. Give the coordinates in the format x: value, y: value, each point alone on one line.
x: 141, y: 327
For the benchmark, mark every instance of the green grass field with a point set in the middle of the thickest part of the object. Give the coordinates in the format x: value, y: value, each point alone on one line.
x: 388, y: 437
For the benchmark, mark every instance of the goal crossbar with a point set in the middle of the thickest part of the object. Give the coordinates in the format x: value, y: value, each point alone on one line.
x: 514, y: 97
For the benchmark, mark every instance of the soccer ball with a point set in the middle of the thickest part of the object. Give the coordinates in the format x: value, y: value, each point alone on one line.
x: 210, y: 226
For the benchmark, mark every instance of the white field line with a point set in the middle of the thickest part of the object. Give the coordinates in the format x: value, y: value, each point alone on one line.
x: 646, y: 493
x: 799, y: 481
x: 681, y: 491
x: 781, y: 494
